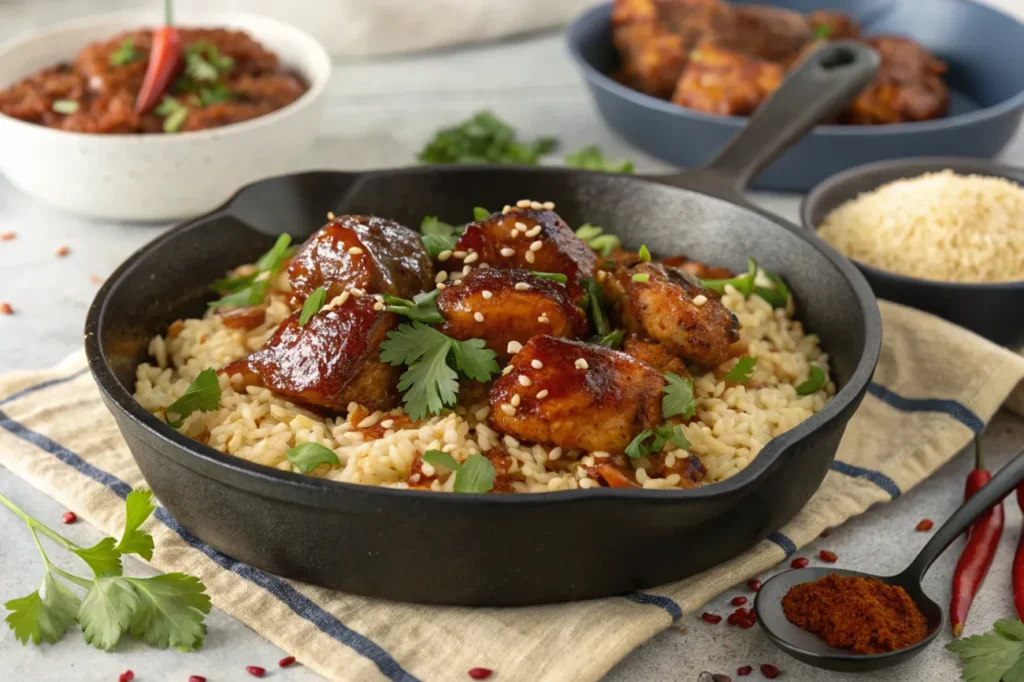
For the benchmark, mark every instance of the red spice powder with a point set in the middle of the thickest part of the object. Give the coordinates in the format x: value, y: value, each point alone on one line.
x: 862, y: 615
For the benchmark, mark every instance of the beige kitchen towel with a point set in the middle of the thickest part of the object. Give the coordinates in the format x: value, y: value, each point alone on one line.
x: 936, y: 386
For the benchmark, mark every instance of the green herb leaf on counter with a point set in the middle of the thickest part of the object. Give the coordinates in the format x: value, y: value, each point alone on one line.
x: 309, y: 456
x: 45, y: 615
x: 171, y: 611
x: 644, y: 254
x: 422, y: 307
x: 202, y: 395
x: 612, y: 339
x: 475, y: 475
x: 594, y: 237
x: 593, y: 304
x: 993, y: 656
x: 814, y: 383
x: 312, y: 305
x: 483, y: 138
x: 651, y: 441
x: 64, y: 106
x: 592, y: 158
x: 103, y: 557
x: 138, y: 507
x: 480, y: 213
x: 822, y: 31
x: 679, y: 399
x: 553, y: 276
x: 742, y: 370
x: 174, y: 113
x: 125, y: 53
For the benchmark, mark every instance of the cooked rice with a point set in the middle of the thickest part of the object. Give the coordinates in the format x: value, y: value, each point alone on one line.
x: 731, y: 427
x: 939, y: 226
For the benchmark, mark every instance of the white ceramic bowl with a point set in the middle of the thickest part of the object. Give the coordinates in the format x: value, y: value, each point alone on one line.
x: 156, y: 176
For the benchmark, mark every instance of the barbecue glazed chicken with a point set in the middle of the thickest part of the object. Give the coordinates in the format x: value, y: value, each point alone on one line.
x: 722, y: 58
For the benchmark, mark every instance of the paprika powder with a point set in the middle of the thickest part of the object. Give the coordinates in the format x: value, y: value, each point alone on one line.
x: 862, y: 615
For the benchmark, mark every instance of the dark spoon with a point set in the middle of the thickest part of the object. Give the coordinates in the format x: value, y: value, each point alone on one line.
x: 812, y: 650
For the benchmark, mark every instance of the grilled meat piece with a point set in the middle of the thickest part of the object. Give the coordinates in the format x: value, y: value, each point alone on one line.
x: 593, y: 398
x: 507, y: 313
x: 908, y: 86
x: 722, y: 81
x: 373, y: 254
x: 654, y: 354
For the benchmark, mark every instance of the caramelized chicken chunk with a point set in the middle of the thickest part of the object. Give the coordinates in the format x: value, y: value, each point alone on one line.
x: 489, y: 306
x: 908, y: 86
x: 544, y: 243
x: 654, y: 354
x: 727, y: 82
x: 690, y: 468
x: 331, y: 361
x: 833, y: 25
x: 771, y: 34
x: 369, y: 253
x: 591, y: 397
x: 665, y: 309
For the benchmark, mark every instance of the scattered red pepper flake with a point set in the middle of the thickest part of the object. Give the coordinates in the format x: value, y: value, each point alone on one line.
x: 8, y: 236
x: 754, y: 585
x: 799, y: 562
x: 5, y: 309
x: 196, y: 678
x: 480, y: 673
x: 712, y: 618
x: 744, y: 670
x: 738, y: 601
x: 769, y: 671
x: 747, y: 623
x: 69, y: 518
x: 63, y: 250
x: 96, y: 279
x: 126, y: 676
x: 286, y: 661
x: 828, y: 556
x: 925, y: 525
x: 255, y: 670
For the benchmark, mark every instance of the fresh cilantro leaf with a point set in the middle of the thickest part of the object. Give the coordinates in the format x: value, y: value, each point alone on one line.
x: 612, y: 339
x: 644, y: 254
x: 742, y: 370
x: 409, y: 343
x: 475, y: 476
x: 474, y: 360
x: 432, y: 226
x: 45, y: 615
x: 480, y: 213
x: 990, y: 657
x: 422, y: 307
x: 440, y: 458
x: 102, y: 558
x: 138, y: 507
x: 106, y: 611
x: 641, y: 277
x: 170, y: 611
x: 309, y: 456
x: 435, y: 244
x: 125, y: 53
x: 312, y: 305
x: 822, y: 31
x: 438, y: 236
x: 678, y: 398
x: 638, y: 447
x: 64, y: 106
x: 204, y: 62
x: 814, y: 383
x: 429, y: 384
x: 595, y: 307
x: 651, y: 441
x: 594, y: 237
x: 484, y: 138
x: 173, y: 112
x: 553, y: 276
x: 203, y: 394
x: 592, y: 158
x: 743, y: 283
x: 674, y: 434
x: 1009, y: 629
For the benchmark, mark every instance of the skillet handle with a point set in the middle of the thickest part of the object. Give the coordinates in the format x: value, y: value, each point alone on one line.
x: 818, y: 89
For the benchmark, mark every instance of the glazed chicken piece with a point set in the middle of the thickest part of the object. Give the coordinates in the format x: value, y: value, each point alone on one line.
x: 527, y: 239
x: 654, y: 354
x: 726, y: 82
x: 331, y: 361
x: 372, y: 254
x: 832, y: 25
x: 908, y: 86
x: 617, y: 472
x: 771, y: 34
x: 697, y: 268
x: 590, y: 397
x: 665, y: 309
x: 513, y: 305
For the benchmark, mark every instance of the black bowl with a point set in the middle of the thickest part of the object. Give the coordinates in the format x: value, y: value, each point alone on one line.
x: 992, y: 310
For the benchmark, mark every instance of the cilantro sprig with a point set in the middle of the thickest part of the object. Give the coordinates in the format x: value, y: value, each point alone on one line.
x: 678, y: 398
x: 438, y: 236
x: 434, y: 362
x: 651, y: 441
x: 776, y: 295
x: 742, y: 370
x: 475, y: 475
x: 592, y: 158
x: 165, y: 610
x: 994, y: 656
x: 483, y: 138
x: 594, y: 237
x: 309, y: 456
x: 202, y: 395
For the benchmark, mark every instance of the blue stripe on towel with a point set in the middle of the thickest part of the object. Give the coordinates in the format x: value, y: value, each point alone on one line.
x: 787, y: 545
x: 673, y: 609
x: 876, y: 477
x: 45, y: 384
x: 950, y: 407
x: 292, y: 598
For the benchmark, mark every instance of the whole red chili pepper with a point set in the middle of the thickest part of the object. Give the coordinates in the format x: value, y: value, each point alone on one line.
x: 982, y: 541
x: 1018, y: 563
x: 164, y: 62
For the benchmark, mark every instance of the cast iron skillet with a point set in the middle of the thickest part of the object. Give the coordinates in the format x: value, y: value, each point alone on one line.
x: 499, y: 550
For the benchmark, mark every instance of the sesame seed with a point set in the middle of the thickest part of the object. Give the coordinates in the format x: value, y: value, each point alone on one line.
x: 472, y: 258
x: 521, y: 226
x: 378, y: 306
x: 549, y: 206
x: 415, y: 478
x: 530, y: 258
x: 479, y: 317
x: 537, y: 245
x: 355, y: 251
x: 508, y: 252
x: 514, y: 347
x: 388, y: 423
x: 459, y: 254
x: 358, y: 293
x: 343, y: 297
x: 542, y: 394
x: 522, y: 286
x: 457, y: 282
x: 330, y: 215
x: 441, y: 276
x: 508, y: 368
x: 441, y: 286
x: 581, y: 363
x: 444, y: 255
x: 524, y: 380
x: 523, y: 203
x: 537, y: 364
x: 543, y: 319
x: 484, y: 266
x: 505, y: 209
x: 516, y: 399
x: 466, y: 269
x: 428, y: 469
x: 534, y: 231
x: 508, y: 409
x: 486, y: 294
x: 536, y: 205
x: 602, y: 275
x: 700, y: 299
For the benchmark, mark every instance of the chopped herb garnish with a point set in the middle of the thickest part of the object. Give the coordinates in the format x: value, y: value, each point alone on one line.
x: 644, y: 254
x: 480, y: 213
x: 593, y: 304
x: 553, y: 276
x: 742, y: 283
x: 679, y: 399
x: 742, y: 370
x: 994, y: 656
x: 814, y: 383
x: 591, y: 158
x: 776, y: 296
x: 174, y: 112
x: 202, y: 395
x: 125, y: 53
x: 641, y: 277
x: 204, y: 62
x: 250, y: 289
x: 64, y: 106
x: 484, y: 138
x: 475, y: 475
x: 312, y: 305
x: 422, y: 307
x: 594, y: 237
x: 651, y: 441
x: 438, y: 236
x: 214, y: 95
x: 244, y: 297
x: 822, y: 31
x: 309, y: 456
x: 430, y: 383
x: 612, y: 339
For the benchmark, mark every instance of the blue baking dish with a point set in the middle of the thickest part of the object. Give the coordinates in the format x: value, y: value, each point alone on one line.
x: 983, y: 48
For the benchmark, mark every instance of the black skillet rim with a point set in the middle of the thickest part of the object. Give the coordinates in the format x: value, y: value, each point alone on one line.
x: 916, y: 165
x: 275, y: 483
